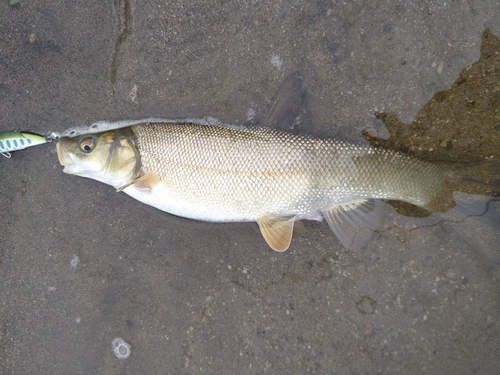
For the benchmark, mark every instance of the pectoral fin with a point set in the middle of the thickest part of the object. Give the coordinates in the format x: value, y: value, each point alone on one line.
x: 354, y: 223
x: 277, y: 231
x: 145, y: 182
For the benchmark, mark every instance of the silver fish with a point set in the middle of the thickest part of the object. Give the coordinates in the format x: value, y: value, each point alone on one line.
x: 215, y: 173
x: 226, y: 174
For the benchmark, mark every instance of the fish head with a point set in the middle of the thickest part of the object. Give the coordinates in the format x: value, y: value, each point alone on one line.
x: 110, y: 157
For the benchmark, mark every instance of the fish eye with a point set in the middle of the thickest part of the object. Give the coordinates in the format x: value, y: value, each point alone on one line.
x: 87, y: 144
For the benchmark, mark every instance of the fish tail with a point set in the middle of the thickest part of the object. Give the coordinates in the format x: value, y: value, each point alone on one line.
x: 479, y: 178
x: 476, y: 178
x: 469, y: 199
x: 475, y: 221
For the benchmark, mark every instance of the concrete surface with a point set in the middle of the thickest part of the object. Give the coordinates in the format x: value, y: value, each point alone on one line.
x: 81, y: 265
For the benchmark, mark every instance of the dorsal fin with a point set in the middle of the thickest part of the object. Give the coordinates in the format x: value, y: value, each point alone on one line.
x: 288, y: 110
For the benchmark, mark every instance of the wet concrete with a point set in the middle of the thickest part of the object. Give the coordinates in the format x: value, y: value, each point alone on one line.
x: 81, y: 265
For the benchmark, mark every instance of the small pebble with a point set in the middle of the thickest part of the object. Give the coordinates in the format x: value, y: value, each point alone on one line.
x: 74, y: 262
x: 364, y: 353
x: 367, y: 330
x: 120, y: 348
x: 440, y: 67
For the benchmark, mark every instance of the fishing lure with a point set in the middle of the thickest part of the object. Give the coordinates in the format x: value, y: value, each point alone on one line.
x: 14, y: 141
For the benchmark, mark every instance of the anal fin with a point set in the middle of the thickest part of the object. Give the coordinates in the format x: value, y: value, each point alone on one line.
x: 277, y: 231
x: 354, y: 223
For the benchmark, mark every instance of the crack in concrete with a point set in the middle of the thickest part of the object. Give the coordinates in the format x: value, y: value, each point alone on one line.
x: 126, y: 27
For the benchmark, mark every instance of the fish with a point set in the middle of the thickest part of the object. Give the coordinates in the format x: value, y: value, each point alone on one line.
x: 14, y: 141
x: 218, y: 173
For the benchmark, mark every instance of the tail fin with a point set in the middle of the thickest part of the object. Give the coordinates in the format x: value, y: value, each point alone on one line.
x: 480, y: 178
x: 475, y: 218
x: 476, y: 178
x: 472, y: 224
x: 476, y: 221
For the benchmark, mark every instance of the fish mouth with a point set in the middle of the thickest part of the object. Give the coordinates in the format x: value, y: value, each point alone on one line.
x: 66, y: 160
x: 63, y: 156
x: 61, y: 153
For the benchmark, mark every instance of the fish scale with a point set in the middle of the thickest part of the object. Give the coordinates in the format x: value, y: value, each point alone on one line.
x: 242, y: 174
x: 199, y: 169
x: 227, y: 174
x: 223, y: 169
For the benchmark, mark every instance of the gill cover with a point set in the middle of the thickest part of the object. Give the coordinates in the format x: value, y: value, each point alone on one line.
x: 110, y: 157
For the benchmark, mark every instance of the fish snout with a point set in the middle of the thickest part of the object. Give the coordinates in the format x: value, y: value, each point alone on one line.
x: 65, y: 159
x: 62, y: 154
